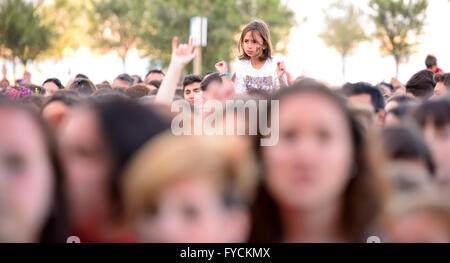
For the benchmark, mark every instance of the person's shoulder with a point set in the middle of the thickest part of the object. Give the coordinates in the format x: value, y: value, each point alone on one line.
x: 243, y: 62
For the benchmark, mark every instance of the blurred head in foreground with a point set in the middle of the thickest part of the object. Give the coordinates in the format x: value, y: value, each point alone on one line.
x: 32, y: 204
x: 97, y: 139
x: 202, y: 197
x: 320, y: 182
x: 418, y: 217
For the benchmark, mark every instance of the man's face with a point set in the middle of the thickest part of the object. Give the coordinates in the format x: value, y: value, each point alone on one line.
x: 364, y: 99
x: 154, y: 76
x: 191, y: 91
x: 440, y: 90
x: 121, y: 84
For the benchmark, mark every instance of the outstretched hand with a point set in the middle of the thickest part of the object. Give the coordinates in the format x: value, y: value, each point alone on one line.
x: 183, y: 54
x: 222, y: 67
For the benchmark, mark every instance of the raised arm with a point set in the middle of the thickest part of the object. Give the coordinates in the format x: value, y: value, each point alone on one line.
x: 182, y: 55
x: 228, y: 86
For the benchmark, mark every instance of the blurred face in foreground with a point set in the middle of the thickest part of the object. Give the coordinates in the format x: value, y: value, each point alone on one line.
x: 419, y: 227
x: 200, y: 197
x: 87, y: 163
x: 26, y: 178
x: 310, y: 167
x: 188, y: 211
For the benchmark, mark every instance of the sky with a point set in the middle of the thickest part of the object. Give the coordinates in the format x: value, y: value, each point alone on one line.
x: 307, y: 54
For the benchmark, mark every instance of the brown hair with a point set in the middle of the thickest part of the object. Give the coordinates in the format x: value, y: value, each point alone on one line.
x: 444, y: 78
x: 226, y: 161
x: 364, y: 194
x: 256, y: 26
x: 137, y: 91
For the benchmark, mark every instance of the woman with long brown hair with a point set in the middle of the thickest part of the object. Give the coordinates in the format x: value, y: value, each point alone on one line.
x: 320, y: 182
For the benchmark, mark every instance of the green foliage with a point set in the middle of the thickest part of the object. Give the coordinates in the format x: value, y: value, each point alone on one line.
x: 343, y: 29
x: 397, y: 23
x: 23, y: 32
x: 71, y: 23
x: 343, y: 32
x: 116, y: 25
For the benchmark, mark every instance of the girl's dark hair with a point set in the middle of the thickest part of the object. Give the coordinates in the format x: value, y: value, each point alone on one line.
x: 435, y: 111
x: 125, y: 125
x: 406, y: 142
x: 257, y: 26
x: 362, y: 198
x: 56, y: 227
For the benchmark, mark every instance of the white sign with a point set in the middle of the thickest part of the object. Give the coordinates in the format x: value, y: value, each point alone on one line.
x: 199, y: 30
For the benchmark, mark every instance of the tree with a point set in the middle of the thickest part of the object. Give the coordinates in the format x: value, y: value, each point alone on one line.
x: 23, y: 32
x: 343, y: 31
x: 71, y: 23
x: 168, y: 18
x: 398, y: 22
x: 116, y: 25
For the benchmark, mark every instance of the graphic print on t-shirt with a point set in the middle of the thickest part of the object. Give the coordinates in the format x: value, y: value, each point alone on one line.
x: 265, y: 83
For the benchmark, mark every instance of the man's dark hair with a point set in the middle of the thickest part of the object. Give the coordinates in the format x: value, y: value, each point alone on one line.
x: 155, y: 71
x: 155, y: 83
x: 430, y: 61
x: 421, y: 84
x: 137, y: 91
x: 210, y: 79
x: 55, y: 81
x: 444, y: 78
x: 127, y: 78
x: 352, y: 89
x: 83, y: 86
x: 81, y: 76
x: 189, y: 79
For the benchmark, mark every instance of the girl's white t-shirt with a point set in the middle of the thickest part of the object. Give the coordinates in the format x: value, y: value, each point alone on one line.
x: 248, y: 78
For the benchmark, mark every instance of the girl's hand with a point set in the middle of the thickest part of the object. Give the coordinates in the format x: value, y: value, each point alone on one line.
x: 222, y: 67
x: 182, y: 54
x: 281, y: 69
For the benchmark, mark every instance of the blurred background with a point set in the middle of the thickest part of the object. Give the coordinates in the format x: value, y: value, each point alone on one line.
x: 333, y: 41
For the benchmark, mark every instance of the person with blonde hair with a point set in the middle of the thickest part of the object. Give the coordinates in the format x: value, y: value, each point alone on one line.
x: 203, y: 197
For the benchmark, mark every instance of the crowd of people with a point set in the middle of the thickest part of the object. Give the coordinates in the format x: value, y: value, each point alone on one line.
x: 101, y: 161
